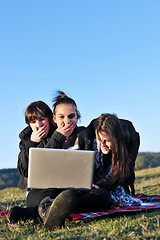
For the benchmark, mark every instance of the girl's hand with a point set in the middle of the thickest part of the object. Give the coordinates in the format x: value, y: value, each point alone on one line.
x: 39, y: 134
x: 95, y: 186
x: 66, y: 130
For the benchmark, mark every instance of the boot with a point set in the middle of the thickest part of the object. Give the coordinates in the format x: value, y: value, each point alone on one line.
x: 18, y: 213
x: 54, y: 212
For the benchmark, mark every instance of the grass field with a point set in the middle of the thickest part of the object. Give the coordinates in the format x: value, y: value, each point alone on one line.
x: 144, y: 225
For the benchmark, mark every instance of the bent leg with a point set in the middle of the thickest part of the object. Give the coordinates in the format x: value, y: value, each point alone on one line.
x: 35, y: 196
x: 94, y: 200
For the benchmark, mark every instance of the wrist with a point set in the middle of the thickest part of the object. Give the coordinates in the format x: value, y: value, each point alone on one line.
x: 59, y: 136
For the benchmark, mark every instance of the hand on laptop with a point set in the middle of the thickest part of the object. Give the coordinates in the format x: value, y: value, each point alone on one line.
x: 66, y: 130
x: 38, y: 135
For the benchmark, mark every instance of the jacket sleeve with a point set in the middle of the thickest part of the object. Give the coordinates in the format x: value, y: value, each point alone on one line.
x: 108, y: 182
x: 23, y: 156
x: 56, y: 140
x: 112, y: 180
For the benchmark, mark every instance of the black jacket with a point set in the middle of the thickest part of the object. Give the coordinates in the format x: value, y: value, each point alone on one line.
x: 24, y: 145
x: 81, y: 135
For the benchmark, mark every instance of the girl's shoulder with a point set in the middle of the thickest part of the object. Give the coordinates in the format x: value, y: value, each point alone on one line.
x: 83, y: 130
x: 84, y: 138
x: 25, y: 133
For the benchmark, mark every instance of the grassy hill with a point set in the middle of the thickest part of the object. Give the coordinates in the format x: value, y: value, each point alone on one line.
x: 9, y: 178
x: 147, y: 160
x: 144, y: 225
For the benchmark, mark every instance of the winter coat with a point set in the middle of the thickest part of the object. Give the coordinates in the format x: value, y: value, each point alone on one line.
x: 81, y: 135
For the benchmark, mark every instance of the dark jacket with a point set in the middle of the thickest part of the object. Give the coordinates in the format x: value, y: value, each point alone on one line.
x: 24, y: 145
x: 132, y: 141
x: 105, y: 177
x: 81, y: 135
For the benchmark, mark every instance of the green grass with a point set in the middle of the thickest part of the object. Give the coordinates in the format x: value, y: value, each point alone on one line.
x: 144, y: 225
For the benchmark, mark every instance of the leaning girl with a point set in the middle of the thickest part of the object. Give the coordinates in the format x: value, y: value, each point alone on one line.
x: 113, y: 161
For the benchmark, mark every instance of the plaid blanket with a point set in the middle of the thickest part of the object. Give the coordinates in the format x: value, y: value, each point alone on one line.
x: 149, y: 202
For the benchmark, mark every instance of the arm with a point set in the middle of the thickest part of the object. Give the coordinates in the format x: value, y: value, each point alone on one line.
x: 111, y: 175
x: 112, y: 181
x: 23, y: 156
x: 60, y: 135
x: 108, y: 182
x: 56, y: 140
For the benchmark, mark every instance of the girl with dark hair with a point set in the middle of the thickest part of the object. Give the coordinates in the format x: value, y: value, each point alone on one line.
x: 54, y: 205
x: 39, y: 118
x: 112, y: 162
x: 131, y: 140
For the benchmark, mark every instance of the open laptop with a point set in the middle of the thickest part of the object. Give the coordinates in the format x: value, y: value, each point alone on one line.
x: 59, y: 168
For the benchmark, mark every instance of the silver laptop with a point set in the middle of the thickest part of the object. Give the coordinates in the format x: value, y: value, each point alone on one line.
x: 59, y: 168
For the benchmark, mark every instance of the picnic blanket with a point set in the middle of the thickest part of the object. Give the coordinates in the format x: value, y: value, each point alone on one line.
x: 149, y: 202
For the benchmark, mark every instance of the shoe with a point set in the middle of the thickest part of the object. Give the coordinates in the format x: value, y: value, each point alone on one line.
x: 54, y: 212
x: 18, y: 213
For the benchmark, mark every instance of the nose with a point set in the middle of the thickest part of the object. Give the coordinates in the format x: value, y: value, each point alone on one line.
x: 104, y: 143
x: 67, y: 121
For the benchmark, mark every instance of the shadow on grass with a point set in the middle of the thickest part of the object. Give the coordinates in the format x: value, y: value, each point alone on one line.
x: 5, y: 206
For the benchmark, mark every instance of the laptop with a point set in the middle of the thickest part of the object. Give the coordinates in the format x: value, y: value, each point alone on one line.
x: 60, y: 168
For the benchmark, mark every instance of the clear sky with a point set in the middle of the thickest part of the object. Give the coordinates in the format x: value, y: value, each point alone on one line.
x: 104, y: 54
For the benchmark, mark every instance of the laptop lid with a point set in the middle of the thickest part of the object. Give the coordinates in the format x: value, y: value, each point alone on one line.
x: 59, y: 168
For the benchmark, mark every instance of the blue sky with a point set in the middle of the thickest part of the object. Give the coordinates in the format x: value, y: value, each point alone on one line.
x: 104, y: 54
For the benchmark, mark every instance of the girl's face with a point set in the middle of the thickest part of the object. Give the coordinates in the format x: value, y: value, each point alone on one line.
x: 103, y: 142
x: 65, y: 114
x: 38, y: 123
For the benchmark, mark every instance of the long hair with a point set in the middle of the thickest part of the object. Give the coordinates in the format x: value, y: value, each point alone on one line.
x: 109, y: 124
x: 62, y: 98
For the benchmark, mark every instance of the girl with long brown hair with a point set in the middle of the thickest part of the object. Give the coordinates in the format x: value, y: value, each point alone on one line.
x: 112, y: 162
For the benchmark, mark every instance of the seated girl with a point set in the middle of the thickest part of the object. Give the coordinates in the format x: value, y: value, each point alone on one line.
x: 39, y: 118
x: 112, y: 161
x: 52, y: 205
x: 132, y: 142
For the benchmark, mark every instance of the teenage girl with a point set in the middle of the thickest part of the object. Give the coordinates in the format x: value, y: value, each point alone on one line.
x: 132, y: 143
x: 113, y: 161
x: 39, y: 118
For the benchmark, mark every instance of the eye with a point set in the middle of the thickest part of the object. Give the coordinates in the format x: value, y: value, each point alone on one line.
x: 105, y: 141
x: 42, y: 119
x: 71, y: 115
x: 34, y: 121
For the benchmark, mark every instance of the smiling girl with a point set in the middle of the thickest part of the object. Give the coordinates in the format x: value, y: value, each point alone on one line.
x: 112, y: 164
